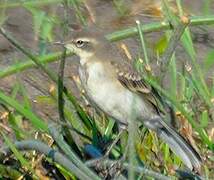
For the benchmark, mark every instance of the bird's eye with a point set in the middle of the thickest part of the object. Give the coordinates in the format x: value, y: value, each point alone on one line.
x: 79, y: 43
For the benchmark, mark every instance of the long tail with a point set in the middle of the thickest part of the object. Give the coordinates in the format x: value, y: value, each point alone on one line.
x: 179, y: 146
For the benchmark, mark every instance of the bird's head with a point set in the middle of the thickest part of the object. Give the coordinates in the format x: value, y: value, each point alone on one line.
x: 86, y: 44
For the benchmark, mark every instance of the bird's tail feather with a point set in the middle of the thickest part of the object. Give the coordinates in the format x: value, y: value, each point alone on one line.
x: 179, y: 146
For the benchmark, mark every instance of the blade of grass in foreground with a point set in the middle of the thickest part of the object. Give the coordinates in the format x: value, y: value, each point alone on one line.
x: 9, y: 171
x: 18, y: 155
x: 174, y: 101
x: 70, y: 154
x: 197, y: 73
x: 36, y: 121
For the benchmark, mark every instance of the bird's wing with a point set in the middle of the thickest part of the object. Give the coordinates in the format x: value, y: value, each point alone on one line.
x: 133, y: 81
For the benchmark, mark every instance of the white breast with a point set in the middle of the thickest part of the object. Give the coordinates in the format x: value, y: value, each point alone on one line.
x: 112, y: 98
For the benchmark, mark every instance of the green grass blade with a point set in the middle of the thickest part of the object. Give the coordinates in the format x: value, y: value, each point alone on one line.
x: 18, y: 67
x: 28, y: 2
x: 6, y: 171
x: 179, y: 107
x: 17, y: 154
x: 36, y: 121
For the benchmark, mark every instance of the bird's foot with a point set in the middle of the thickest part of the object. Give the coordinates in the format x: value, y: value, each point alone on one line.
x: 116, y: 168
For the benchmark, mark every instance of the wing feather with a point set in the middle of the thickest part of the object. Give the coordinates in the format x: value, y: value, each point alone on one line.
x: 133, y: 81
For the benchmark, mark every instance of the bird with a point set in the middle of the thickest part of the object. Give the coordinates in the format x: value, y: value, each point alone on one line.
x: 114, y: 86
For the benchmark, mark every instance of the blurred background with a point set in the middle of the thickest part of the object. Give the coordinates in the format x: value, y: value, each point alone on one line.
x: 38, y: 24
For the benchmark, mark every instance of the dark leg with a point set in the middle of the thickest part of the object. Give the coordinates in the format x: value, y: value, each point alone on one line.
x: 105, y: 156
x: 113, y: 143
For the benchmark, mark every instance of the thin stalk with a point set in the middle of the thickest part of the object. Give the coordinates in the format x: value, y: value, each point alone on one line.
x: 21, y: 66
x: 158, y: 26
x: 78, y: 12
x: 143, y: 44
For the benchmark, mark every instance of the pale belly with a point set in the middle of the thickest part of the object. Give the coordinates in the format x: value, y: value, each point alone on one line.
x: 112, y: 98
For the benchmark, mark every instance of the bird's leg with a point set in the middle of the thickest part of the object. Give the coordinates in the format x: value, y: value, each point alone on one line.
x: 116, y: 168
x: 113, y: 143
x: 105, y: 156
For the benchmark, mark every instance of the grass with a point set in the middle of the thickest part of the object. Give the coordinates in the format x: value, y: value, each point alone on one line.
x: 86, y: 135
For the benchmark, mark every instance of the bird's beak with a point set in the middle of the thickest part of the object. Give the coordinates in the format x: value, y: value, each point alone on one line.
x: 69, y: 47
x: 59, y: 43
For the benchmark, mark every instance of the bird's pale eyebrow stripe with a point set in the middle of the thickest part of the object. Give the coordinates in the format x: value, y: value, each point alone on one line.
x: 86, y: 39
